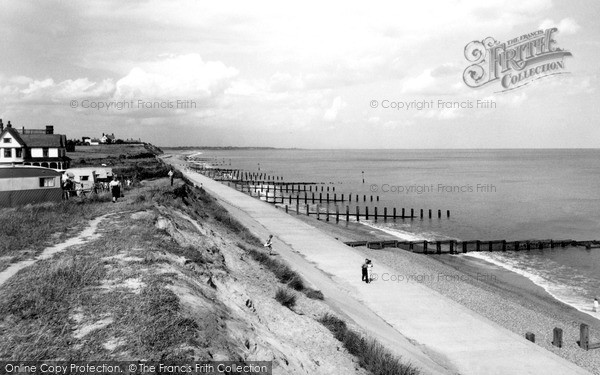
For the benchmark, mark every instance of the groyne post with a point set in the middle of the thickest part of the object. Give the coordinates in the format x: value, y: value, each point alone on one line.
x: 584, y: 336
x: 530, y: 336
x: 557, y: 337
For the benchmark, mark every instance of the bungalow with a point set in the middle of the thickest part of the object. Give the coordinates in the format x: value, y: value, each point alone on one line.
x: 35, y: 147
x: 24, y: 185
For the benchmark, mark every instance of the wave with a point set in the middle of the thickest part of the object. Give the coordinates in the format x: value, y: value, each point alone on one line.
x: 571, y: 295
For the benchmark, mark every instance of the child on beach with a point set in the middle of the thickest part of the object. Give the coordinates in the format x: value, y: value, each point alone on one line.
x: 269, y: 244
x: 369, y: 271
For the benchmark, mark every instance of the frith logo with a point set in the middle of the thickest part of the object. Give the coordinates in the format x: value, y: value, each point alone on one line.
x: 516, y: 62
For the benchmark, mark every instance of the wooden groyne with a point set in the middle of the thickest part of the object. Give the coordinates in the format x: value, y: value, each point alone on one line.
x: 457, y: 247
x: 312, y: 198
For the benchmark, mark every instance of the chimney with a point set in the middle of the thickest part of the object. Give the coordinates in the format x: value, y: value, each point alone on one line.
x: 49, y: 129
x: 1, y: 125
x: 9, y: 125
x: 23, y: 130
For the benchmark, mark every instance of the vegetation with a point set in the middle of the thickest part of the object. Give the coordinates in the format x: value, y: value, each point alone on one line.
x: 286, y: 298
x: 30, y: 228
x: 283, y: 272
x: 372, y: 356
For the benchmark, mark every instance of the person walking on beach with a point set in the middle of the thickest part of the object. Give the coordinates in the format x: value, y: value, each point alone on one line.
x: 369, y: 271
x: 364, y: 271
x: 115, y: 188
x: 596, y: 307
x: 269, y: 244
x: 171, y: 174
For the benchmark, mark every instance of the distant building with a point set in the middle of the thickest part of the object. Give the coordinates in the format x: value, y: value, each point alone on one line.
x: 35, y: 147
x: 90, y: 141
x: 107, y: 138
x: 22, y: 185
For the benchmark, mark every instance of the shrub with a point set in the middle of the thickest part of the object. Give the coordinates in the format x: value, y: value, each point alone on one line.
x: 286, y: 298
x: 296, y: 283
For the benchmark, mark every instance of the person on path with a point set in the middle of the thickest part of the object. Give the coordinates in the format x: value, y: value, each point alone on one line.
x: 364, y: 271
x: 115, y: 188
x: 596, y: 307
x: 171, y: 174
x: 269, y: 244
x: 369, y: 271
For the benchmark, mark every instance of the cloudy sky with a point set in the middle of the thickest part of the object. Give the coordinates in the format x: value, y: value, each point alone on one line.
x: 293, y: 74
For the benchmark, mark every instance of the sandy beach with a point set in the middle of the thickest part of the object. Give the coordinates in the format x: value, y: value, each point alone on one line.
x: 507, y: 298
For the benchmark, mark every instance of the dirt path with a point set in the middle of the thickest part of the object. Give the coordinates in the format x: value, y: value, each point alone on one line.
x: 88, y: 234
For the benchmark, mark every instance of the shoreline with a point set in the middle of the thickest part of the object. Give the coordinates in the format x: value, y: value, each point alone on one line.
x: 506, y: 298
x: 503, y: 296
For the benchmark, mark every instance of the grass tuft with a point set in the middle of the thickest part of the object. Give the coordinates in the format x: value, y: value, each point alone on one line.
x: 286, y: 298
x: 372, y: 356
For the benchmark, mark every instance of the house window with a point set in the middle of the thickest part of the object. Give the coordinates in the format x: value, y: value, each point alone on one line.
x: 6, y: 140
x: 47, y: 182
x: 45, y: 152
x: 8, y: 152
x: 19, y: 152
x: 85, y: 178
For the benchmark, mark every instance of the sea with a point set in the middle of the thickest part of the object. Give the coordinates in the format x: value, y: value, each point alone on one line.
x: 509, y: 194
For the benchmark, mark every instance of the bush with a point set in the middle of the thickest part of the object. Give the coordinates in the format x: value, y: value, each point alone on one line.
x: 286, y: 298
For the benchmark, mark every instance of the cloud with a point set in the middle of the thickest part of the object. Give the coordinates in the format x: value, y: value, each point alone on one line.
x: 441, y: 80
x: 46, y: 91
x: 566, y: 26
x: 332, y: 113
x: 281, y: 82
x: 176, y: 77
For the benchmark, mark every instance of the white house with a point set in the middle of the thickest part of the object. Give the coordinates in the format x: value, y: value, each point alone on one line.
x: 36, y: 147
x: 107, y: 138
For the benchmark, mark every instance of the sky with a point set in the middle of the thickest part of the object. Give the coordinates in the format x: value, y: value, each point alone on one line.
x: 310, y: 74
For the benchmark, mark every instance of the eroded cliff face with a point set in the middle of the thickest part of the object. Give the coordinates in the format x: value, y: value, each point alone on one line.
x: 166, y: 277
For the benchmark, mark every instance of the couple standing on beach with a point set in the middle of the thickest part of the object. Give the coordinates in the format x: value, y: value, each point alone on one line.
x: 367, y: 269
